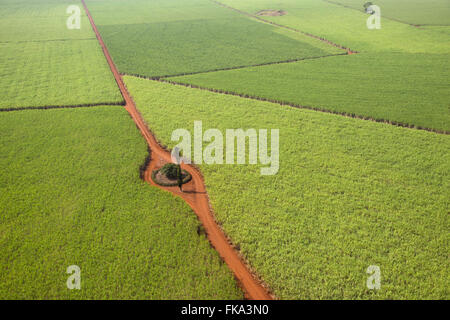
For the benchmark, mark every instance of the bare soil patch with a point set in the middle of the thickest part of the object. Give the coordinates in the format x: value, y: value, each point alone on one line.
x: 271, y: 13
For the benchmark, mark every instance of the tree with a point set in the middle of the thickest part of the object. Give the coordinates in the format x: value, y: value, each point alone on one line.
x: 170, y: 170
x: 179, y: 177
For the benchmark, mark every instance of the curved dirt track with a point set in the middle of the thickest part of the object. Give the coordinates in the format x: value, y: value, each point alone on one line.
x: 194, y: 192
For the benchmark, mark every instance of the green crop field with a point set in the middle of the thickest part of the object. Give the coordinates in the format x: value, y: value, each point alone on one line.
x: 114, y: 12
x: 400, y: 74
x: 41, y: 67
x: 440, y: 29
x: 406, y: 88
x: 39, y: 20
x: 417, y: 12
x: 36, y: 74
x: 200, y: 45
x: 70, y: 194
x: 194, y: 45
x: 347, y: 27
x: 355, y: 188
x: 349, y: 194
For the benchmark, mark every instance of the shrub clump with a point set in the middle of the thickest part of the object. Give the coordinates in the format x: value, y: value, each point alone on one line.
x: 168, y: 175
x: 169, y: 170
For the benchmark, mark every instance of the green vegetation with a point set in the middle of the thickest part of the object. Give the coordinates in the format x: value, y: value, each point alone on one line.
x: 440, y: 29
x: 349, y: 194
x: 40, y: 20
x: 406, y: 88
x: 197, y: 44
x: 114, y: 12
x: 347, y: 27
x: 417, y: 12
x: 170, y: 170
x: 400, y: 76
x: 70, y: 194
x: 174, y: 174
x: 45, y: 64
x: 61, y: 73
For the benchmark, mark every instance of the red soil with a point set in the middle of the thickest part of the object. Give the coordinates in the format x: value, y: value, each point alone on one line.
x: 194, y: 192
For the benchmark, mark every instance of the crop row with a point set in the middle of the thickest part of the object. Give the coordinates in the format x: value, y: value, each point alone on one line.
x: 348, y: 194
x: 46, y: 64
x: 399, y: 88
x: 71, y: 195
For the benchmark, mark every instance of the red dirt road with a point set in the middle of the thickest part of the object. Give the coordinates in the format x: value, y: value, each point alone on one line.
x: 194, y: 192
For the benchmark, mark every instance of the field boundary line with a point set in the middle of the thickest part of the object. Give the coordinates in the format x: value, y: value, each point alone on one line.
x: 298, y: 106
x: 239, y: 67
x: 87, y: 105
x: 349, y: 51
x: 194, y: 195
x: 48, y: 40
